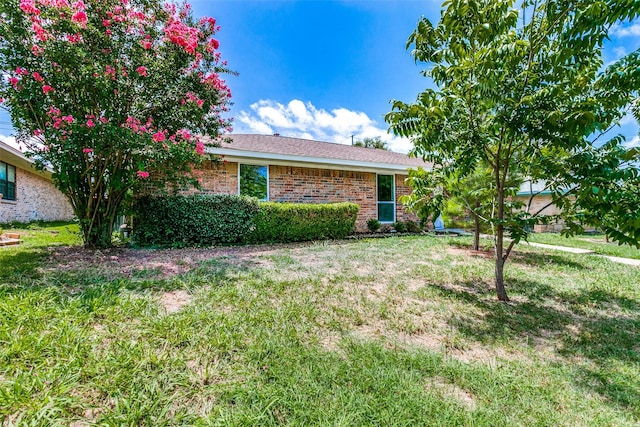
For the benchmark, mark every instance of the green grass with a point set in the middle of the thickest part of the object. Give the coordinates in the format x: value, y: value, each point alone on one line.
x: 400, y: 331
x: 596, y: 243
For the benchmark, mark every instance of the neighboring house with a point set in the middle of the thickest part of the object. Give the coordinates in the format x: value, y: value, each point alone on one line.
x: 28, y: 194
x: 538, y: 199
x: 282, y: 169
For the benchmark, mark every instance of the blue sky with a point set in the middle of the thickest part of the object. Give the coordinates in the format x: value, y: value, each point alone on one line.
x: 325, y: 69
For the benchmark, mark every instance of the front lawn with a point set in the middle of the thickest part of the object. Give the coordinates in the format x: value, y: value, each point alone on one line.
x: 399, y: 331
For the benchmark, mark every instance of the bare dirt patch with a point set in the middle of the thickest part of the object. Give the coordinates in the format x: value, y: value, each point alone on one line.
x: 154, y: 263
x: 470, y: 252
x: 452, y: 391
x: 174, y: 301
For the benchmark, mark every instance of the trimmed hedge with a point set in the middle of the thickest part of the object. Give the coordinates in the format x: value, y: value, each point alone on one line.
x: 199, y: 219
x: 222, y: 218
x: 297, y: 222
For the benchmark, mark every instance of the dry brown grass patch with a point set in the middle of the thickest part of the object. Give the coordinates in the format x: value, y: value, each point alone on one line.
x: 453, y: 391
x: 173, y: 301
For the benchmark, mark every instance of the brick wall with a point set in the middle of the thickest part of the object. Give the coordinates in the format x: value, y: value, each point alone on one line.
x: 36, y: 199
x: 310, y: 185
x: 218, y: 178
x: 401, y: 189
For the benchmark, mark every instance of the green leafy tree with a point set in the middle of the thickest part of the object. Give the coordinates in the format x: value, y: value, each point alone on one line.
x: 522, y: 87
x: 372, y: 143
x: 111, y: 95
x: 433, y: 194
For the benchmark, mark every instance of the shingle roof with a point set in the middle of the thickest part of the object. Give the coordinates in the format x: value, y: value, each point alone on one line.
x: 280, y: 145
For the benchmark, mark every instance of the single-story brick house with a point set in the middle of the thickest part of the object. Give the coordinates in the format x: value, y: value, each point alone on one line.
x: 283, y: 169
x: 28, y: 194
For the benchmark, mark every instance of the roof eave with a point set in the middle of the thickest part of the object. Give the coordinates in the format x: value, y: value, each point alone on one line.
x: 15, y: 158
x: 308, y: 161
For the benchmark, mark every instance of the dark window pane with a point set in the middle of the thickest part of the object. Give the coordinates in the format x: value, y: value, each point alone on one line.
x: 385, y: 188
x: 385, y: 212
x: 3, y: 171
x: 11, y: 192
x: 11, y: 173
x: 253, y: 181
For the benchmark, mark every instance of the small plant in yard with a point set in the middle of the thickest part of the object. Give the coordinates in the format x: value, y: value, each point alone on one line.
x: 400, y: 226
x: 373, y: 225
x: 413, y: 227
x: 386, y: 228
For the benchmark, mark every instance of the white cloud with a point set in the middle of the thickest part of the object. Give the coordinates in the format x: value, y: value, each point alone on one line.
x: 619, y: 52
x: 303, y: 120
x: 634, y: 142
x: 626, y: 30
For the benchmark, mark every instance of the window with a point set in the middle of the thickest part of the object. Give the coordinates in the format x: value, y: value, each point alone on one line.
x: 253, y: 181
x: 7, y: 181
x: 386, y: 199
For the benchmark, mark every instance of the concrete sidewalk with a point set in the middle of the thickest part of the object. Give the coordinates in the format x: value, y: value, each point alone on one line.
x: 560, y: 248
x: 620, y: 260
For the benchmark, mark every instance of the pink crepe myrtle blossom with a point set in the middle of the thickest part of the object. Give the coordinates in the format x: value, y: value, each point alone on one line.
x: 46, y: 89
x: 38, y: 132
x: 142, y: 174
x: 37, y: 50
x: 158, y: 136
x: 200, y: 148
x: 184, y: 134
x: 213, y: 45
x: 14, y: 82
x: 37, y: 77
x: 80, y: 17
x: 29, y: 7
x: 146, y: 44
x: 87, y: 150
x: 90, y: 123
x: 142, y: 71
x: 41, y: 34
x: 110, y: 71
x: 74, y: 38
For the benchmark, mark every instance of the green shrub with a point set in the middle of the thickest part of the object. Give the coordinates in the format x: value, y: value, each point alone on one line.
x: 400, y: 226
x: 413, y: 227
x: 295, y: 222
x: 373, y: 225
x: 192, y: 220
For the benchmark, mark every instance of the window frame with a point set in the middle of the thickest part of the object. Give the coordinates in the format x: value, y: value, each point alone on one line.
x: 258, y: 165
x: 386, y: 202
x: 4, y: 188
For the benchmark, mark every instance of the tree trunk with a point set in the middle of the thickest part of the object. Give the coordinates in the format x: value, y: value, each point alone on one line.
x: 97, y: 219
x: 499, y: 247
x: 476, y: 233
x: 97, y: 233
x: 499, y: 270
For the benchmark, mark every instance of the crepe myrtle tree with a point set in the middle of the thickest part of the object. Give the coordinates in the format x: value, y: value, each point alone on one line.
x: 111, y: 95
x: 520, y: 87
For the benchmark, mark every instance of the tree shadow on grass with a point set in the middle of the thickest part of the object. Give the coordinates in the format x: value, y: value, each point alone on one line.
x: 536, y: 259
x: 17, y: 266
x: 28, y: 272
x: 586, y: 328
